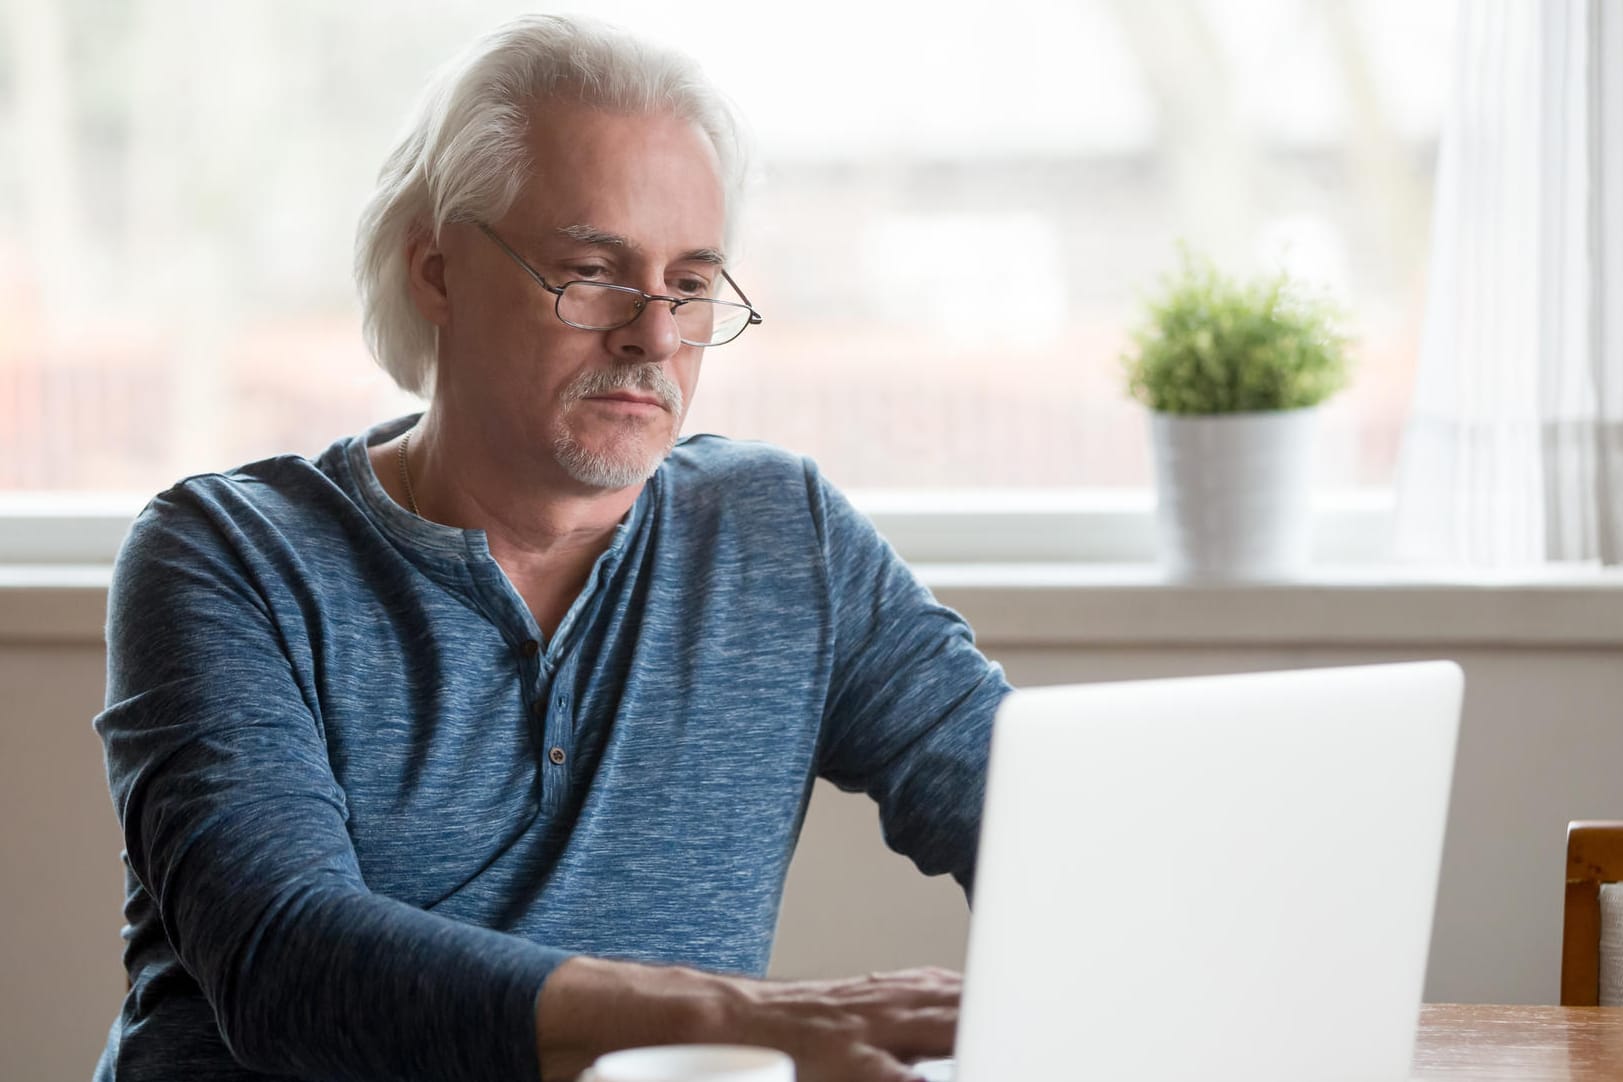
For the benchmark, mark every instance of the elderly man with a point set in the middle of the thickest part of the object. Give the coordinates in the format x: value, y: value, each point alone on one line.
x: 479, y: 745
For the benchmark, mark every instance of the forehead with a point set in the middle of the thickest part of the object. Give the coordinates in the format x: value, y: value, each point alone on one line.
x: 651, y: 177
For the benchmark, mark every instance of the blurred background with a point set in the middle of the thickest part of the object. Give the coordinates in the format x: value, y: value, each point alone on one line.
x: 955, y: 221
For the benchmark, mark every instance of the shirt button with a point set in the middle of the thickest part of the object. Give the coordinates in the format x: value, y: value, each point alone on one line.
x: 530, y: 648
x: 557, y: 756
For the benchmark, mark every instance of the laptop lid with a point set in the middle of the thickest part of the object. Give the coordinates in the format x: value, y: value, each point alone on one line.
x: 1213, y: 878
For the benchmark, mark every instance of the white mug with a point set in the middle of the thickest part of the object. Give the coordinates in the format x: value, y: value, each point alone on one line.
x: 693, y: 1063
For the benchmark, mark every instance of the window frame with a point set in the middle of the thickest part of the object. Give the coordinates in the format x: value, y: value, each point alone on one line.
x: 926, y: 526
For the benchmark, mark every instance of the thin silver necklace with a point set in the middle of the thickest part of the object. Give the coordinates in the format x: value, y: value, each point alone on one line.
x: 405, y: 474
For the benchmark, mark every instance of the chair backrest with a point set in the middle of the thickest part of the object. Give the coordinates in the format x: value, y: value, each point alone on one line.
x: 1592, y: 930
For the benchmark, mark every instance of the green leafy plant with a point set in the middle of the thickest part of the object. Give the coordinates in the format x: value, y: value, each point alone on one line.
x: 1213, y: 344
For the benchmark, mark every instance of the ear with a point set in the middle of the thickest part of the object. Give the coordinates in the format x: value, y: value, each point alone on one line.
x: 425, y: 276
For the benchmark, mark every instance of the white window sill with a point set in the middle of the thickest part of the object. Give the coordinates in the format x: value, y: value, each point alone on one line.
x: 1103, y: 605
x: 1027, y: 568
x: 1372, y: 605
x: 53, y: 604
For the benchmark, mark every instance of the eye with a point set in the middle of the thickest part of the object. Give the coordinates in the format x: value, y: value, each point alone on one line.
x: 691, y: 287
x: 589, y: 272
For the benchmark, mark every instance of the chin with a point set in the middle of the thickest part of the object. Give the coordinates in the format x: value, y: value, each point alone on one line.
x: 611, y: 467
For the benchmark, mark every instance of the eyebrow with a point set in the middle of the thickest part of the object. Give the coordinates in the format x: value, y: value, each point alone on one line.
x: 601, y: 238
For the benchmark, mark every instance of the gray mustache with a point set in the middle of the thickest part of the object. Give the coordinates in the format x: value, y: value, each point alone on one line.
x: 648, y: 377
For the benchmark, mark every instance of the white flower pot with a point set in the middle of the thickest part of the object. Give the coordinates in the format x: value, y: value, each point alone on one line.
x: 1233, y: 494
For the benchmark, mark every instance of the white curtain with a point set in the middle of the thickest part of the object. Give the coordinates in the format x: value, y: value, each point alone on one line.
x: 1514, y: 450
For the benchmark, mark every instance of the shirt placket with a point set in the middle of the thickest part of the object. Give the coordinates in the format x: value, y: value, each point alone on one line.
x: 552, y: 714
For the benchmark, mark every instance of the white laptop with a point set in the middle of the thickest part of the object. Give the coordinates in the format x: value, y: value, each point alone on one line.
x: 1216, y: 878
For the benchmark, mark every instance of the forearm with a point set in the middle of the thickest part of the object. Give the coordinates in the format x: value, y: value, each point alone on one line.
x: 344, y: 985
x: 309, y: 973
x: 589, y: 1006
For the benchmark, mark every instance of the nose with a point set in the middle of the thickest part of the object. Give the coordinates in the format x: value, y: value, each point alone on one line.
x: 652, y: 336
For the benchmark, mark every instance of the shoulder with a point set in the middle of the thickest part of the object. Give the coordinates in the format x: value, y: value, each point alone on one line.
x: 279, y: 489
x: 708, y: 470
x: 707, y: 458
x: 709, y: 476
x: 264, y: 506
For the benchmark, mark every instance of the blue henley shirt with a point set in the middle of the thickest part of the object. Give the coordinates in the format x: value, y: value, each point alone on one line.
x: 367, y: 808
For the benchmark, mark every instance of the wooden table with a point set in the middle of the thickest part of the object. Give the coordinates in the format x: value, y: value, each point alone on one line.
x: 1519, y: 1044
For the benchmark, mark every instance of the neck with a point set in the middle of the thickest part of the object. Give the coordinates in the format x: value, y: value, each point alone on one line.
x: 528, y: 507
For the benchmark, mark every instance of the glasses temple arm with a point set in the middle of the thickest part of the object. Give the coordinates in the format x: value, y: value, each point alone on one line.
x: 755, y: 317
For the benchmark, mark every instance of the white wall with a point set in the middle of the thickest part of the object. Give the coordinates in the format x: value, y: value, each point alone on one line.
x: 61, y: 884
x: 1542, y: 743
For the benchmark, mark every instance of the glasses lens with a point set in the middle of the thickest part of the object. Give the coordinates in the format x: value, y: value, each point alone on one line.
x: 710, y: 323
x: 597, y: 307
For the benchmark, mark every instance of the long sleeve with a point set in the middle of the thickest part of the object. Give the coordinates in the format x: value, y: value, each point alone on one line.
x: 236, y: 828
x: 911, y: 702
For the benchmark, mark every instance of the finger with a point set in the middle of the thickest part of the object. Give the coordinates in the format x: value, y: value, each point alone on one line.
x: 915, y: 1033
x: 920, y: 975
x: 914, y: 988
x: 911, y: 978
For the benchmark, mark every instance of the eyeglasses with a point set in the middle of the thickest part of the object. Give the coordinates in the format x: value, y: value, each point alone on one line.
x: 601, y: 306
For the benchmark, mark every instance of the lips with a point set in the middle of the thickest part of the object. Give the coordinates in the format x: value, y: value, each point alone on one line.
x: 641, y: 400
x: 640, y: 386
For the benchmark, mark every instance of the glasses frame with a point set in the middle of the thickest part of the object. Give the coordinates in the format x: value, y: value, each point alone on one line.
x: 644, y: 298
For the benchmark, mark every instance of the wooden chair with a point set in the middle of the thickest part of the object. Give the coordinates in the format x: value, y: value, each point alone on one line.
x: 1594, y: 858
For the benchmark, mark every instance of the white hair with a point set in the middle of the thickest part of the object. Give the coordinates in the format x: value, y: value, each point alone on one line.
x: 464, y: 158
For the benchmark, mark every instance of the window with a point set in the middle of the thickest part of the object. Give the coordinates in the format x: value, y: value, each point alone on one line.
x: 959, y: 209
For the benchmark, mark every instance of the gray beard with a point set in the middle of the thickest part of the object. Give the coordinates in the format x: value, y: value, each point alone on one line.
x: 599, y: 469
x: 607, y: 469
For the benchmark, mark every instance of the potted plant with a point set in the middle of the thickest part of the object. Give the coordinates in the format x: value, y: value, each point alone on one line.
x: 1233, y: 373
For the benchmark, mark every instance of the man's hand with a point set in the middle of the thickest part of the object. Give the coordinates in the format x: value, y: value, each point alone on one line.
x: 865, y: 1029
